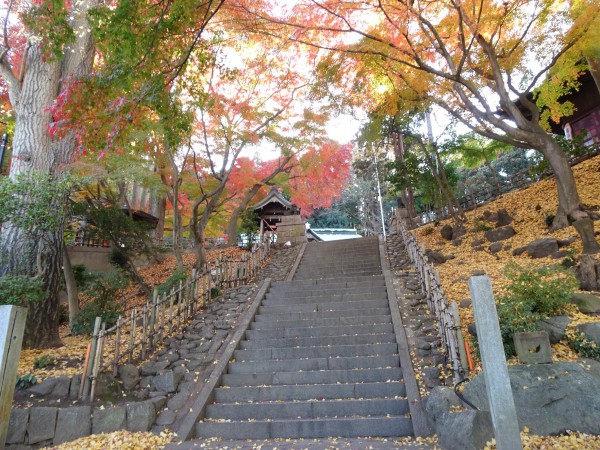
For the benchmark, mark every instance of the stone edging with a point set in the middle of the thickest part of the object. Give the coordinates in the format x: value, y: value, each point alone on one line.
x: 296, y: 263
x: 205, y: 396
x: 421, y: 426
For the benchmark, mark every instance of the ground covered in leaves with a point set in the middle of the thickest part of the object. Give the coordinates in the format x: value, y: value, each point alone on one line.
x: 530, y: 209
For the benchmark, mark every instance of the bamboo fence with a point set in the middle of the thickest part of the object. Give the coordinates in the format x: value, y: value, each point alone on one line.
x: 145, y: 329
x: 446, y: 315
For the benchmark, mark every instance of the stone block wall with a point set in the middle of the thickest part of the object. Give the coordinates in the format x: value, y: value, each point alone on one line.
x: 291, y: 228
x: 49, y: 425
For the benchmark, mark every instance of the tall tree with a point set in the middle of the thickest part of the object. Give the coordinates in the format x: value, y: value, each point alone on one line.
x: 467, y: 57
x: 35, y: 73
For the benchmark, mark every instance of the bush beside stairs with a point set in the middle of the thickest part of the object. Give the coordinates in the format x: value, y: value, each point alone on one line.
x: 320, y: 358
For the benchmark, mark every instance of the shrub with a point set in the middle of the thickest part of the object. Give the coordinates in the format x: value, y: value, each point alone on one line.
x: 172, y: 282
x: 584, y: 347
x: 102, y: 289
x: 25, y: 382
x: 44, y: 361
x: 20, y: 289
x: 533, y: 295
x: 83, y: 277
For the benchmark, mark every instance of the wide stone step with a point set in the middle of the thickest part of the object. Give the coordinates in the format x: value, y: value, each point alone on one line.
x: 290, y: 393
x: 317, y: 297
x: 342, y: 330
x: 314, y: 377
x: 334, y: 322
x: 330, y: 287
x: 318, y: 341
x: 365, y: 310
x: 308, y: 428
x: 341, y: 306
x: 350, y: 281
x: 323, y: 273
x: 316, y: 352
x: 333, y: 363
x: 308, y: 410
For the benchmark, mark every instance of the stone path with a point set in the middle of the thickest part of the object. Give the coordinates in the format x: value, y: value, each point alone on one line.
x: 427, y: 354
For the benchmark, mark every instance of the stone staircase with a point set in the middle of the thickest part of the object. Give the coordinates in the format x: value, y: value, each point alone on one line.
x: 321, y: 357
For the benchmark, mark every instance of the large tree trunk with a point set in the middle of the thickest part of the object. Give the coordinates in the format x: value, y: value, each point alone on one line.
x: 570, y: 210
x: 35, y: 152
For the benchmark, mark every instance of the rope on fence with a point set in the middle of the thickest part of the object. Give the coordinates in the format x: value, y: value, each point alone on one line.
x: 165, y: 316
x: 436, y: 300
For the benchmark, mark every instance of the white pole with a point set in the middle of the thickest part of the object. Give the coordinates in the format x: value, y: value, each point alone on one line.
x: 379, y: 197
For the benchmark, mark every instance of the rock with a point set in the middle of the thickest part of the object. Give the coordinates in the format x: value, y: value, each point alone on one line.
x: 44, y: 388
x: 159, y: 402
x: 166, y: 382
x: 457, y: 242
x: 565, y: 242
x: 109, y: 419
x: 466, y: 430
x: 17, y: 426
x: 73, y: 423
x: 458, y: 232
x: 457, y: 430
x: 130, y: 376
x: 166, y: 417
x: 440, y: 401
x: 500, y: 234
x: 477, y: 273
x: 140, y: 416
x: 587, y: 303
x: 503, y: 218
x: 465, y: 303
x: 549, y: 398
x: 107, y: 387
x: 446, y: 232
x: 42, y: 423
x: 74, y: 387
x: 556, y: 327
x: 152, y: 368
x: 519, y: 251
x: 61, y: 388
x: 478, y: 242
x: 540, y: 248
x: 495, y: 247
x: 591, y: 331
x: 435, y: 256
x: 472, y: 329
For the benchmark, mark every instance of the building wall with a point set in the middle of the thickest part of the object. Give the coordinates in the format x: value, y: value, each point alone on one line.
x: 292, y: 229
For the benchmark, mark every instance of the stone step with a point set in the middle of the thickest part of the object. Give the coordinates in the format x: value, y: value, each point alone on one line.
x: 315, y: 297
x: 316, y: 352
x: 342, y: 330
x: 308, y: 410
x: 324, y: 273
x: 328, y: 281
x: 364, y: 310
x: 317, y: 377
x: 290, y: 393
x: 327, y: 287
x: 307, y: 428
x: 319, y: 341
x: 341, y: 306
x: 286, y: 365
x: 365, y: 320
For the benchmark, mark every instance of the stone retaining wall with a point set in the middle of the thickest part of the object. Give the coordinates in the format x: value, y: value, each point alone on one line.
x: 49, y: 425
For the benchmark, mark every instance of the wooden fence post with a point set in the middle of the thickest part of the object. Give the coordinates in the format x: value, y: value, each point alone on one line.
x: 88, y: 372
x: 12, y: 328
